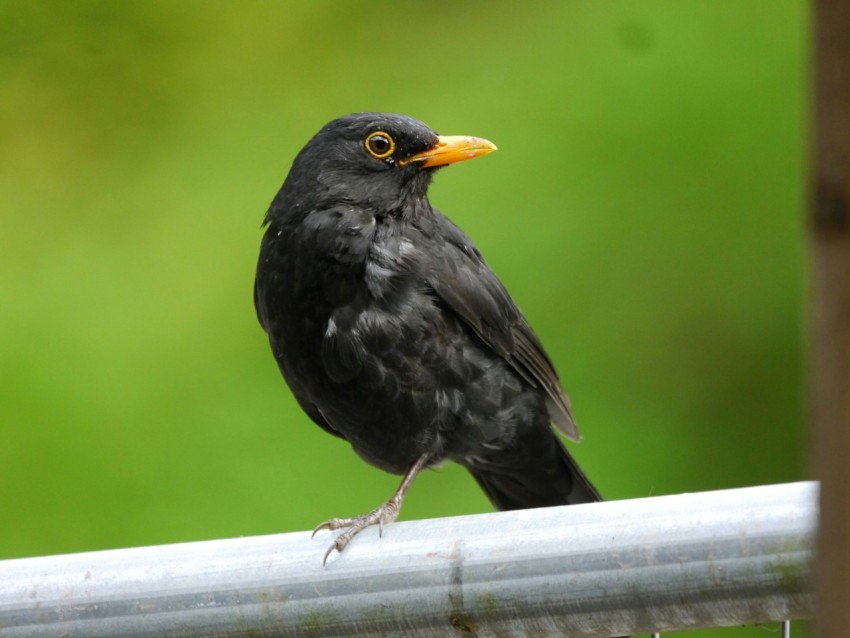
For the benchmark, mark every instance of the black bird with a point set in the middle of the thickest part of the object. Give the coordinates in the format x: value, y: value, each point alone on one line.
x: 393, y: 332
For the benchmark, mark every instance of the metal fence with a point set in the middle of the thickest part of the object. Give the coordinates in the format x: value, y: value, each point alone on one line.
x: 710, y: 559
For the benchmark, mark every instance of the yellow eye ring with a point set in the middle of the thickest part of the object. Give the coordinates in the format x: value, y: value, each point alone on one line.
x: 380, y: 145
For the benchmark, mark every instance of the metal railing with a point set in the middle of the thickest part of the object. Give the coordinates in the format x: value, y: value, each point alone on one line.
x: 709, y: 559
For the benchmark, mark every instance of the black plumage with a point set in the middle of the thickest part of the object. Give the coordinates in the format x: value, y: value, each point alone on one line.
x: 393, y: 332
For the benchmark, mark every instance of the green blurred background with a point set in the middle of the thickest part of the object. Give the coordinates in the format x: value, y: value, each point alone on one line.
x: 645, y: 209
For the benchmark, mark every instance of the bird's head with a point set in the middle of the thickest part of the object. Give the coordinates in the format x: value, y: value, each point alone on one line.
x: 378, y: 161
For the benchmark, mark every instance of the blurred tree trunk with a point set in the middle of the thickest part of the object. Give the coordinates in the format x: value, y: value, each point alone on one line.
x: 831, y: 312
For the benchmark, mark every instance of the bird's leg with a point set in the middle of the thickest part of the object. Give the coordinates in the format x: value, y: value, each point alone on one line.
x: 380, y: 516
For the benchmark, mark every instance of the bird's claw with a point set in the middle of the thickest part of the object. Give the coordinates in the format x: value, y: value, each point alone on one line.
x: 379, y: 516
x: 331, y: 524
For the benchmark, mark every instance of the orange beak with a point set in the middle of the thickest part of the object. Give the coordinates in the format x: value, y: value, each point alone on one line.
x: 450, y: 149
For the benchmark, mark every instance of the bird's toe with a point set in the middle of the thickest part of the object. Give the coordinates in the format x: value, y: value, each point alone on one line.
x: 380, y: 516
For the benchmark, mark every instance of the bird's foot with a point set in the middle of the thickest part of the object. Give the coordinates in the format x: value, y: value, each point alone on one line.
x: 380, y: 516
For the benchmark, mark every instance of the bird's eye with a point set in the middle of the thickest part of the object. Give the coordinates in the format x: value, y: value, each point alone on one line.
x: 380, y: 145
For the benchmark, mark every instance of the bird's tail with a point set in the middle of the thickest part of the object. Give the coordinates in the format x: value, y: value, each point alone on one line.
x: 524, y: 477
x: 540, y: 474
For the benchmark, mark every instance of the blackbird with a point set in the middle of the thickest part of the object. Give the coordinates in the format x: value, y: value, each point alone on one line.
x: 392, y: 331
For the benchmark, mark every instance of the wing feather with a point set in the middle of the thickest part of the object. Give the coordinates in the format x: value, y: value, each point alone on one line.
x: 467, y: 285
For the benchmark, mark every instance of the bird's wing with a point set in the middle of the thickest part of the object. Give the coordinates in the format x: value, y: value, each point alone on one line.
x: 465, y: 283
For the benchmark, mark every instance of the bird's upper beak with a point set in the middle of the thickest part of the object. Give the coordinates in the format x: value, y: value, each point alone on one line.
x: 450, y: 149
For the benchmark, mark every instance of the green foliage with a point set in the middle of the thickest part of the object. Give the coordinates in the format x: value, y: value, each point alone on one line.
x: 645, y: 209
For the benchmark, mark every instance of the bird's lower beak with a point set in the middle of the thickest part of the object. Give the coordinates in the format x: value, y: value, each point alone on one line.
x: 450, y: 149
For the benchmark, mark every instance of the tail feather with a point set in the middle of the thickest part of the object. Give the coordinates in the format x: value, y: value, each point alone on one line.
x: 519, y: 478
x: 524, y: 477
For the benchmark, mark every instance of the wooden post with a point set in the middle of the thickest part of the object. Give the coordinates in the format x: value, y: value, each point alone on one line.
x: 830, y: 224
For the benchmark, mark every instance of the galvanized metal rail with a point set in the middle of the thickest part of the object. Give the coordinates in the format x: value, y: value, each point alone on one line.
x: 623, y: 567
